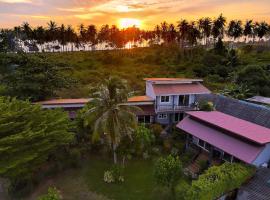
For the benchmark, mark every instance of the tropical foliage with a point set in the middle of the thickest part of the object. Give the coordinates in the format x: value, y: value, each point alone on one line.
x: 28, y: 136
x: 53, y: 194
x: 33, y: 77
x: 168, y: 171
x: 112, y: 119
x: 218, y: 180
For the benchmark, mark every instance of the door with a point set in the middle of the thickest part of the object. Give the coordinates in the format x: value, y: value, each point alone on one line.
x: 183, y: 100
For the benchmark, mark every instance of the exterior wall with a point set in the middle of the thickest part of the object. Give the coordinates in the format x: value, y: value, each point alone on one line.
x: 263, y: 157
x: 163, y: 121
x: 149, y: 90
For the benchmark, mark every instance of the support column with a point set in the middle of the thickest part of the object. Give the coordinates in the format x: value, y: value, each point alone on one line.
x: 187, y: 142
x: 211, y: 156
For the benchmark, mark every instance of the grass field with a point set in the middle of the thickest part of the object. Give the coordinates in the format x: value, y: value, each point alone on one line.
x: 87, y: 182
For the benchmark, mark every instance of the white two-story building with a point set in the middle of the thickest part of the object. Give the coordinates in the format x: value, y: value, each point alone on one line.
x: 167, y: 99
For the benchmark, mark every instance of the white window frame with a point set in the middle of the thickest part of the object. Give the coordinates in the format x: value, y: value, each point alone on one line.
x: 165, y: 99
x: 162, y: 116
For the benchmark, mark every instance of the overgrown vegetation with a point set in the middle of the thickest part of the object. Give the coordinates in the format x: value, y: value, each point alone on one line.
x: 218, y: 180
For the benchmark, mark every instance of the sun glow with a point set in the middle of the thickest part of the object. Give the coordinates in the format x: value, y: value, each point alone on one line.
x: 129, y: 22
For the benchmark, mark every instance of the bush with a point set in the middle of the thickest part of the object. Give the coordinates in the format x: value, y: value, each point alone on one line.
x: 53, y: 194
x: 114, y: 175
x: 206, y: 106
x: 168, y: 171
x: 219, y: 180
x: 156, y: 129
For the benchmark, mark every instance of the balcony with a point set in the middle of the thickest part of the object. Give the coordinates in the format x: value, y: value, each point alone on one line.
x: 174, y: 108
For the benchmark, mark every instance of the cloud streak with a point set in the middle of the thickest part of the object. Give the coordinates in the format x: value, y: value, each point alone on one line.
x: 150, y: 12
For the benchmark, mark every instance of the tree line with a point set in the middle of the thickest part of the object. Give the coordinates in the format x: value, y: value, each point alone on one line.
x: 205, y: 31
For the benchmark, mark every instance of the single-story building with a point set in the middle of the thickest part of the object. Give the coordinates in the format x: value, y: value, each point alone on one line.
x: 69, y: 105
x: 227, y: 137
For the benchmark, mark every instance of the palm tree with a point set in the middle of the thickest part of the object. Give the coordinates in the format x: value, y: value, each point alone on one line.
x: 183, y: 27
x: 193, y: 34
x: 112, y: 119
x: 205, y: 26
x: 235, y: 29
x: 27, y: 31
x: 92, y: 35
x: 40, y: 36
x: 218, y: 27
x: 248, y: 29
x: 62, y: 36
x: 261, y: 29
x: 52, y: 32
x: 71, y: 35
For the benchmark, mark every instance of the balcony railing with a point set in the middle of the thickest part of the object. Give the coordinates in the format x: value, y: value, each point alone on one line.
x: 161, y: 108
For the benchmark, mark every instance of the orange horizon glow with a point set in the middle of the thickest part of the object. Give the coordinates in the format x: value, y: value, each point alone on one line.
x: 129, y: 22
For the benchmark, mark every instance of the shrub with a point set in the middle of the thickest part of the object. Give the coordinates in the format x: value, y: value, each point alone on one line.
x: 206, y: 106
x: 114, y: 175
x: 219, y: 180
x: 168, y: 171
x: 53, y: 194
x: 156, y: 129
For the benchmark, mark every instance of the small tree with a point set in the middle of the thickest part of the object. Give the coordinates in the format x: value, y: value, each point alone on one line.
x: 168, y: 171
x: 52, y: 194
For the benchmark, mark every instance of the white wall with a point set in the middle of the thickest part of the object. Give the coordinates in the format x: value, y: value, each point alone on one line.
x: 149, y: 90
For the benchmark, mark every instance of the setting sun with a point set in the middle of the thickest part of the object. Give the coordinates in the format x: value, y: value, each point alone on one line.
x: 129, y: 22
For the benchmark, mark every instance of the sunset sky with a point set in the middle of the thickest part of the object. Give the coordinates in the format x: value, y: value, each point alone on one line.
x: 145, y: 13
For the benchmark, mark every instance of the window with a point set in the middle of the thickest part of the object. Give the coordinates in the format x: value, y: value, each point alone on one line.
x: 165, y: 99
x: 162, y: 116
x: 144, y: 119
x: 201, y: 143
x: 178, y: 117
x: 183, y: 100
x: 207, y: 146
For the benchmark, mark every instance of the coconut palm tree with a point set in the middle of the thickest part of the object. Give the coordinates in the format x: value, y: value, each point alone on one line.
x: 62, y: 36
x: 92, y: 34
x: 193, y: 34
x: 248, y: 29
x: 112, y: 119
x: 205, y: 26
x: 218, y: 27
x: 235, y: 29
x: 261, y: 29
x: 183, y: 27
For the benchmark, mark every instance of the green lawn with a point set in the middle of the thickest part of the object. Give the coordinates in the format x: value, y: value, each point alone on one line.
x: 87, y: 182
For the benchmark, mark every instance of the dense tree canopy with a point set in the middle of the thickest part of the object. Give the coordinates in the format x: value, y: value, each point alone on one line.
x: 28, y: 135
x: 33, y: 77
x: 256, y: 78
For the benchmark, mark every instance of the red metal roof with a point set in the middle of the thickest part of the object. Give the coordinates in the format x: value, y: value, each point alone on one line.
x: 140, y: 99
x: 63, y: 101
x: 239, y: 127
x: 146, y: 110
x: 236, y: 147
x: 170, y: 89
